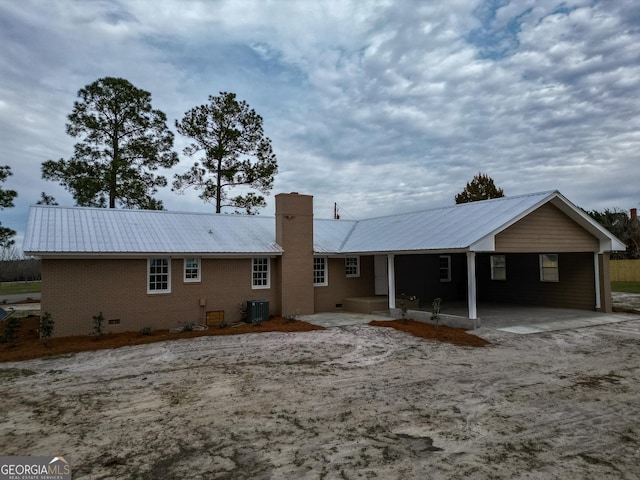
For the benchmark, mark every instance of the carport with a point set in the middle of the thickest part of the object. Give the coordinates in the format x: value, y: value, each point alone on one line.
x: 533, y: 251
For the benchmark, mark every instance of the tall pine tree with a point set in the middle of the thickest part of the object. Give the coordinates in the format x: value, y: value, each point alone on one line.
x: 123, y: 142
x: 236, y: 153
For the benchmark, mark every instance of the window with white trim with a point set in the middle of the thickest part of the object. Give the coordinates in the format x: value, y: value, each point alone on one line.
x: 159, y: 275
x: 320, y: 277
x: 191, y: 269
x: 445, y: 268
x: 498, y: 267
x: 549, y: 271
x: 352, y: 266
x: 260, y: 272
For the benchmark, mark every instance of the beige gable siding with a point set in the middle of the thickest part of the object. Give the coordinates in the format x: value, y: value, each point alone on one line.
x: 546, y: 229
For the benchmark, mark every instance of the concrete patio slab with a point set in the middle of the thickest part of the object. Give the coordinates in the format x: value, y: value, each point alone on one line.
x: 511, y: 319
x: 341, y: 319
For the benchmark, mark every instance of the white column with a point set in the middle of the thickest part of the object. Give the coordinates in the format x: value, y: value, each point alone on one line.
x: 596, y: 269
x: 471, y: 285
x: 391, y: 272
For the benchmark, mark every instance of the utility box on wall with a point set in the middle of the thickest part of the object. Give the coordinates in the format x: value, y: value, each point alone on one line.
x: 215, y: 317
x: 257, y: 311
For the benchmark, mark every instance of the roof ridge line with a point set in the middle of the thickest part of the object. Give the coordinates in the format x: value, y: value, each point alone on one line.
x: 143, y: 210
x: 462, y: 205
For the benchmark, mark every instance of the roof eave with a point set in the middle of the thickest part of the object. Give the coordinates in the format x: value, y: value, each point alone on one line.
x: 132, y: 255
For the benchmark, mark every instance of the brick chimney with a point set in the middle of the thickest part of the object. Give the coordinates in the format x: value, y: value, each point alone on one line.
x: 294, y: 233
x: 634, y: 213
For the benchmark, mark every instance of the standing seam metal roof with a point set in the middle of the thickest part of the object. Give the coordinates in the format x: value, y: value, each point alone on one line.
x: 62, y: 230
x: 102, y: 231
x: 447, y: 228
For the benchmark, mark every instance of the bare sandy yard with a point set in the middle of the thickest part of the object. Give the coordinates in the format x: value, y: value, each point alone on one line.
x: 342, y: 403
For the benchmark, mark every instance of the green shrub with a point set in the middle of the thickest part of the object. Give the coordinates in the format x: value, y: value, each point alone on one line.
x: 435, y: 310
x: 146, y: 331
x: 45, y: 328
x: 98, y: 325
x: 188, y: 327
x: 11, y: 329
x: 290, y: 318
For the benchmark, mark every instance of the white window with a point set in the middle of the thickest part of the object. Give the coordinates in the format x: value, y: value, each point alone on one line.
x: 445, y: 268
x: 498, y: 267
x: 549, y: 267
x: 191, y: 269
x: 352, y: 266
x: 320, y: 272
x: 158, y: 275
x: 260, y: 277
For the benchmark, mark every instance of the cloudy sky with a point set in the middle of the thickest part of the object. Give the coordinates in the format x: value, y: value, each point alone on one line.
x: 380, y: 106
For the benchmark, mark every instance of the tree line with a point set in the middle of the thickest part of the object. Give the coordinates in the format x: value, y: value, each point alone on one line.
x: 15, y: 268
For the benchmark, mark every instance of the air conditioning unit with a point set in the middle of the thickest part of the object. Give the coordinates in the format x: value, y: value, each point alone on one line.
x: 257, y: 311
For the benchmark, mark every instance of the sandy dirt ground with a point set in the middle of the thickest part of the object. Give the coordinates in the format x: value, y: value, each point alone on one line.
x: 343, y: 403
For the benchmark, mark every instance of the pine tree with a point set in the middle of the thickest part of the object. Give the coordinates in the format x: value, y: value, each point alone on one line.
x: 236, y: 153
x: 481, y: 187
x: 123, y: 142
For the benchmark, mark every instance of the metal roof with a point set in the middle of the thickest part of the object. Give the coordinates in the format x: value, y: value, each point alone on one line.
x: 53, y: 230
x: 447, y: 228
x: 470, y: 226
x: 330, y: 235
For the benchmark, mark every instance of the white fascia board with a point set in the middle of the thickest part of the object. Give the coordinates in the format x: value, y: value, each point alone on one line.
x: 138, y: 255
x: 485, y: 244
x: 439, y: 251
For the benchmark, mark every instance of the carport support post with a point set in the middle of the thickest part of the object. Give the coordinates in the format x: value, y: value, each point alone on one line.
x: 391, y: 273
x: 471, y: 284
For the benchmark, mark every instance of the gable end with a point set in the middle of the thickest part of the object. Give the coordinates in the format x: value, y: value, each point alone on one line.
x: 546, y: 229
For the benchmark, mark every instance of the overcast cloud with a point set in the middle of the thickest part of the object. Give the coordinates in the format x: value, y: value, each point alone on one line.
x: 380, y: 106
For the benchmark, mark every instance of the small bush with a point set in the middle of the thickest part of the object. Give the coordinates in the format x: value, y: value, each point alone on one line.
x: 45, y: 328
x: 98, y: 325
x: 435, y: 310
x: 146, y: 331
x: 290, y: 318
x: 188, y: 327
x: 11, y: 329
x: 223, y: 324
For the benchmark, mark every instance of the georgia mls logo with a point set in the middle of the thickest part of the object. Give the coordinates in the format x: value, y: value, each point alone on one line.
x: 35, y: 468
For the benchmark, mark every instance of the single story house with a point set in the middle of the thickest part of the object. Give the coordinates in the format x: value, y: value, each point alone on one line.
x: 160, y: 269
